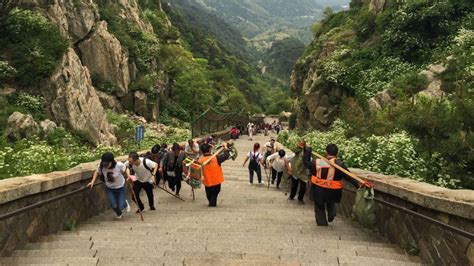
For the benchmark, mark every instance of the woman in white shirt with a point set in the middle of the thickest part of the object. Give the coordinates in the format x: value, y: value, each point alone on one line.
x: 114, y: 174
x: 279, y: 162
x: 255, y: 159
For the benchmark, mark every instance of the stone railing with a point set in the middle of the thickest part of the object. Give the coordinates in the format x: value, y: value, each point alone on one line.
x: 434, y: 244
x: 29, y: 226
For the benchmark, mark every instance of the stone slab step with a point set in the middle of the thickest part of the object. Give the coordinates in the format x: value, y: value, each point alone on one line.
x: 48, y: 260
x: 64, y: 253
x: 357, y: 260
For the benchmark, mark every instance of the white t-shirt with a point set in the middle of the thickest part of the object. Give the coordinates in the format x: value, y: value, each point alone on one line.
x: 257, y: 155
x: 114, y: 177
x: 189, y: 152
x: 270, y: 146
x: 143, y: 175
x: 279, y: 163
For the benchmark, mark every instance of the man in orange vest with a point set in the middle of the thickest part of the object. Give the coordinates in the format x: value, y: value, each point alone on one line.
x: 326, y: 183
x: 213, y: 176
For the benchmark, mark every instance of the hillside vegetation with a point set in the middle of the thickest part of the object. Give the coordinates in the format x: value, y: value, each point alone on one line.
x: 403, y: 68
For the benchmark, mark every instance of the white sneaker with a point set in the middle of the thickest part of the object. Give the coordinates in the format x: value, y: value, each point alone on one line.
x: 263, y: 182
x: 119, y: 217
x: 128, y: 206
x: 250, y: 184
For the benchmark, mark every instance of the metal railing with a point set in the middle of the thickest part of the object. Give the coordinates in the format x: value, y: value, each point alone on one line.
x: 446, y: 226
x: 45, y: 202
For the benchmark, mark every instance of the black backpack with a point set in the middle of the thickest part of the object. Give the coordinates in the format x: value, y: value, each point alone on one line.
x: 144, y: 165
x: 254, y: 159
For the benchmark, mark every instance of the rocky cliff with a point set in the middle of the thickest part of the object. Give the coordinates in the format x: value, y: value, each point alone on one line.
x: 372, y: 53
x: 95, y: 57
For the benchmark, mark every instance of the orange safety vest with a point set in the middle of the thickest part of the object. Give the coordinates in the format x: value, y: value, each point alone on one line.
x: 212, y: 172
x: 328, y: 180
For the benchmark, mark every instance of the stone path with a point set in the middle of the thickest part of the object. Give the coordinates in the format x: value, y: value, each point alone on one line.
x: 250, y: 226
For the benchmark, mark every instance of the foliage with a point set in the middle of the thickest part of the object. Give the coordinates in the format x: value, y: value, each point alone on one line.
x: 6, y: 71
x: 69, y: 225
x: 31, y: 104
x: 279, y: 60
x: 396, y: 153
x: 61, y: 150
x: 105, y: 86
x: 36, y: 45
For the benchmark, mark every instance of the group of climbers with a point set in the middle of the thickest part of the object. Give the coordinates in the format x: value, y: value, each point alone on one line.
x: 326, y: 180
x: 160, y: 163
x: 323, y: 174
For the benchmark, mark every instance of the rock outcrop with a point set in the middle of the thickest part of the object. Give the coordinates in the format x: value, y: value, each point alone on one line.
x: 381, y: 99
x: 129, y: 11
x: 75, y: 19
x: 103, y: 55
x: 433, y: 90
x: 74, y: 102
x: 21, y: 126
x: 140, y: 103
x: 110, y: 102
x: 378, y: 5
x: 47, y: 126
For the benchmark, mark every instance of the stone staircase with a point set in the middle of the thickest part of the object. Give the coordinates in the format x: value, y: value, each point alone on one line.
x: 250, y: 226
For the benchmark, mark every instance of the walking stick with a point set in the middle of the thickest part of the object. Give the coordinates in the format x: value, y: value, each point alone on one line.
x: 170, y: 193
x: 268, y: 178
x: 136, y: 200
x: 353, y: 176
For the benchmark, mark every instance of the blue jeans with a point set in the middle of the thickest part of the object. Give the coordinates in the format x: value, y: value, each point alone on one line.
x: 117, y: 199
x: 257, y: 170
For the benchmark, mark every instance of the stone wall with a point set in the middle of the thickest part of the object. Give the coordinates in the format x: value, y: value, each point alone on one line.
x: 29, y: 226
x: 435, y: 245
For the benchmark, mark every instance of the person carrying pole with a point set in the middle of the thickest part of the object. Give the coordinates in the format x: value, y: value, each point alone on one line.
x: 300, y: 176
x: 326, y: 182
x: 212, y: 173
x: 144, y: 170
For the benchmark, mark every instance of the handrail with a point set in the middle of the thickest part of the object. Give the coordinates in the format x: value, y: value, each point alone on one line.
x: 446, y: 226
x: 44, y: 202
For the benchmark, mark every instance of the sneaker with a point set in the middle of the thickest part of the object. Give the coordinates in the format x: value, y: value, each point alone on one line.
x: 250, y: 184
x: 128, y: 206
x: 152, y: 208
x: 290, y: 198
x: 330, y: 219
x: 301, y: 202
x: 263, y: 182
x: 118, y: 217
x: 138, y: 211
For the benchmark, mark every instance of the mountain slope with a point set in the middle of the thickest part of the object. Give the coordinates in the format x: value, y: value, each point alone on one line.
x: 396, y: 67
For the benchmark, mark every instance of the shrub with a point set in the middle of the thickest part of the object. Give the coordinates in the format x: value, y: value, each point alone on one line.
x: 396, y: 153
x: 36, y: 45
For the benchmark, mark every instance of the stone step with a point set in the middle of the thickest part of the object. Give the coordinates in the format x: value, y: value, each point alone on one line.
x: 48, y: 260
x: 262, y: 238
x: 222, y: 227
x: 373, y: 261
x: 60, y: 253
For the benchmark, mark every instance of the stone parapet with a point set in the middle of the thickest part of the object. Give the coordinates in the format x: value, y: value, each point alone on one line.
x: 434, y: 244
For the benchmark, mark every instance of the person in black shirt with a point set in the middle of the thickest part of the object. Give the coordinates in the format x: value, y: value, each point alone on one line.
x: 326, y: 183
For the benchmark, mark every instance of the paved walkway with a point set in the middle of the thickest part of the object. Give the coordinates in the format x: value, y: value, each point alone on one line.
x: 250, y: 226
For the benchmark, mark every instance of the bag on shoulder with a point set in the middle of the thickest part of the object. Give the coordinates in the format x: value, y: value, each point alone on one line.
x: 254, y: 159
